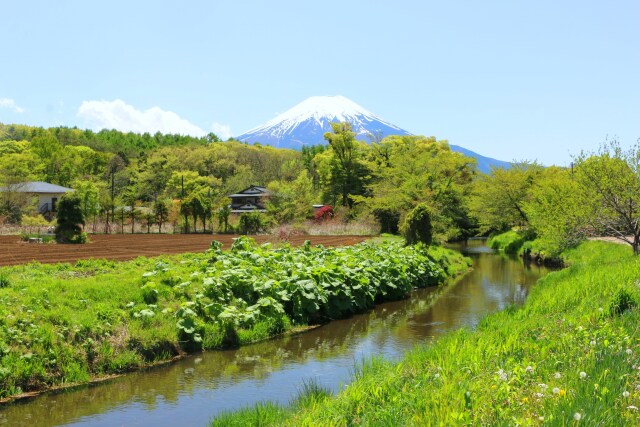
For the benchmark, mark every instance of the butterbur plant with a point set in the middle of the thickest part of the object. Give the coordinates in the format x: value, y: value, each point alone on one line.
x: 149, y: 293
x: 190, y: 329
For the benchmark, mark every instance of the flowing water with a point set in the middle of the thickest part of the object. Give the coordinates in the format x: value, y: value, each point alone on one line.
x: 191, y: 391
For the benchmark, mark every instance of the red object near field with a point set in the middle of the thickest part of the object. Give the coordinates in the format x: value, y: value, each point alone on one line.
x: 324, y: 213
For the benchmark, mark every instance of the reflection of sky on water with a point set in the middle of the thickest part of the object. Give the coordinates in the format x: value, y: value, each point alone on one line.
x: 190, y: 391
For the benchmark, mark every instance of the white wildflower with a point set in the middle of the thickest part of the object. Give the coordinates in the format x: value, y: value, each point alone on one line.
x: 593, y: 343
x: 556, y: 390
x: 633, y: 408
x: 529, y: 369
x: 625, y: 394
x: 557, y: 375
x: 539, y: 395
x: 543, y: 386
x: 583, y: 375
x: 629, y: 351
x: 502, y: 374
x: 577, y: 416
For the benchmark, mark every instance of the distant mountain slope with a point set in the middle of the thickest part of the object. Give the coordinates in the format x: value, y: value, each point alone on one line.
x: 484, y: 163
x: 307, y: 122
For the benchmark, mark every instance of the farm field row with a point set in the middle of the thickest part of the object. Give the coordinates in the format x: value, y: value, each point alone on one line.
x: 120, y: 247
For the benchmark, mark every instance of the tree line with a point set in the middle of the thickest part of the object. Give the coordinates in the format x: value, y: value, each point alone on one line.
x: 152, y: 180
x: 598, y: 195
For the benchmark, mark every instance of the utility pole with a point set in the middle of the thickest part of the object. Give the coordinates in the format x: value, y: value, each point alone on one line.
x: 113, y: 192
x: 185, y: 223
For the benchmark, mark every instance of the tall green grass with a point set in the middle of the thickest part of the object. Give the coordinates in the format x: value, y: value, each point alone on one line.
x: 568, y: 356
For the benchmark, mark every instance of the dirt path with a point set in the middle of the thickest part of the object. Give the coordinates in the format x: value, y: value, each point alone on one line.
x: 612, y: 239
x: 122, y: 247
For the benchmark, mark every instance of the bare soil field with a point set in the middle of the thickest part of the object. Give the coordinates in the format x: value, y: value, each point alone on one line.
x: 122, y: 247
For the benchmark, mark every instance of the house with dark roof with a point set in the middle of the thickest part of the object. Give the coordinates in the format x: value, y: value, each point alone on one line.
x: 250, y: 199
x: 47, y: 194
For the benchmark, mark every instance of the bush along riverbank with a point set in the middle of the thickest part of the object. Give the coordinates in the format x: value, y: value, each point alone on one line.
x: 569, y: 355
x: 524, y: 244
x: 63, y: 324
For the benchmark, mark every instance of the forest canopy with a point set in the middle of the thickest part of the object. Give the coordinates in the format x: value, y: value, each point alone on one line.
x: 121, y: 174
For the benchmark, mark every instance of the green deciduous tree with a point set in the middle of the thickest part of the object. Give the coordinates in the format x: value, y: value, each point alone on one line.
x: 161, y: 212
x: 289, y: 201
x: 223, y: 218
x: 609, y: 189
x: 417, y: 227
x: 89, y: 194
x: 14, y: 201
x: 408, y: 170
x: 499, y: 197
x: 555, y: 211
x: 348, y: 172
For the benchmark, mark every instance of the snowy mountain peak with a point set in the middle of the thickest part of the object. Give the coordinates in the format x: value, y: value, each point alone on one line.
x: 306, y: 123
x: 322, y: 106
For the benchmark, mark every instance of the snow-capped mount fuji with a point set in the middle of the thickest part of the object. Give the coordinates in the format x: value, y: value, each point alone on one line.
x: 307, y: 122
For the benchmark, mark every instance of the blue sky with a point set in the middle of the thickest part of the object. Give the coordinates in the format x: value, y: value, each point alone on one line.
x: 507, y: 79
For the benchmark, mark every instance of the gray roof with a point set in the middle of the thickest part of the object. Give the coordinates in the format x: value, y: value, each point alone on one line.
x: 38, y: 187
x: 254, y: 190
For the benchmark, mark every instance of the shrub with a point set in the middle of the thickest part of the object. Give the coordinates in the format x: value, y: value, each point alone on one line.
x: 388, y: 219
x: 70, y: 220
x: 252, y: 223
x: 417, y: 226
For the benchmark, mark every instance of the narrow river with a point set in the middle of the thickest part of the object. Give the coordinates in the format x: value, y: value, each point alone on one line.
x: 191, y: 391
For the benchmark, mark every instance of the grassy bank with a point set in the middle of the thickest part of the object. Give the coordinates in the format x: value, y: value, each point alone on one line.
x: 68, y: 324
x: 509, y: 242
x: 568, y: 356
x: 524, y: 243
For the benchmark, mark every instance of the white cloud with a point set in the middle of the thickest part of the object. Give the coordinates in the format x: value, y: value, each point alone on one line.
x: 11, y: 104
x: 119, y: 115
x: 223, y: 131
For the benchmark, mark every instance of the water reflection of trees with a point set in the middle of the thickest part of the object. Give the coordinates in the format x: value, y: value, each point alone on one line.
x: 494, y: 283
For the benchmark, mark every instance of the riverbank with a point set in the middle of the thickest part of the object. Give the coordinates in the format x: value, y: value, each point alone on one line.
x: 569, y: 354
x: 524, y: 244
x: 68, y: 324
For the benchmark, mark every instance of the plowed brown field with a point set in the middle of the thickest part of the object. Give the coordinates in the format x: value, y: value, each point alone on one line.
x: 128, y: 246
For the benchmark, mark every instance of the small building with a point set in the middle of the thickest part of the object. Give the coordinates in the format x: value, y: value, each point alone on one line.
x: 250, y: 199
x: 47, y: 194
